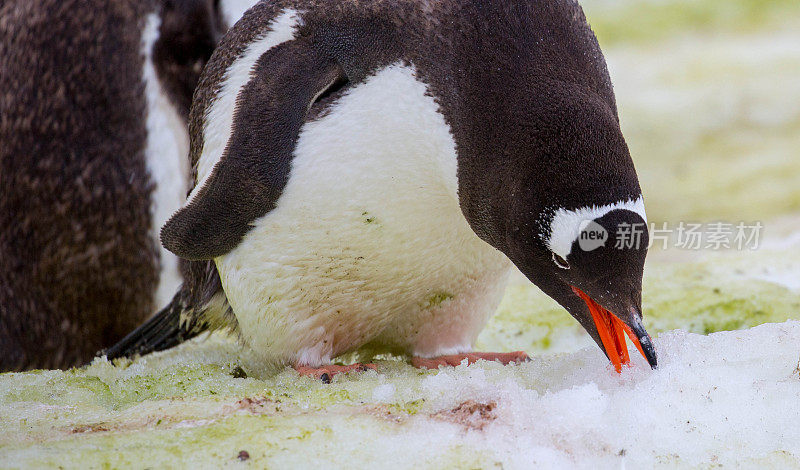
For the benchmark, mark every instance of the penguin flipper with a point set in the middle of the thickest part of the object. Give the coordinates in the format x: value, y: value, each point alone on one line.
x: 248, y: 179
x: 167, y: 328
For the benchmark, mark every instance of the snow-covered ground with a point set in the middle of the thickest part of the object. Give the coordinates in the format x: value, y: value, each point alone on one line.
x: 712, y: 122
x: 729, y: 398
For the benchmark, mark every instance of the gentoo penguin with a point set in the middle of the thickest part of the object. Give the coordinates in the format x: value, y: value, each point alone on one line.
x: 94, y: 102
x: 367, y: 172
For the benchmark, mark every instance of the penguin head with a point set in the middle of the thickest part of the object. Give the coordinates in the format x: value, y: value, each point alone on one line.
x: 593, y: 264
x: 573, y: 221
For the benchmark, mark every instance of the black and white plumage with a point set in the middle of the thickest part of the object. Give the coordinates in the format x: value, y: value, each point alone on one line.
x: 368, y: 172
x: 94, y: 103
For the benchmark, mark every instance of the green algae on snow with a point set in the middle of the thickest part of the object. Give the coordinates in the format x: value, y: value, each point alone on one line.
x: 201, y: 415
x: 642, y: 21
x: 715, y: 296
x: 718, y: 292
x: 712, y: 129
x: 400, y: 417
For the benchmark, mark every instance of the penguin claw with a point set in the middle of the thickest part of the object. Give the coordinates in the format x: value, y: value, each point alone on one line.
x: 456, y: 359
x: 326, y: 373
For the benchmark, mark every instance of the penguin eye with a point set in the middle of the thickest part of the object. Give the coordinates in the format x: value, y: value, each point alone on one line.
x: 560, y: 262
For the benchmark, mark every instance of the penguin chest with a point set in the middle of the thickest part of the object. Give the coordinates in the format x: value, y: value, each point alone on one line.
x: 367, y: 243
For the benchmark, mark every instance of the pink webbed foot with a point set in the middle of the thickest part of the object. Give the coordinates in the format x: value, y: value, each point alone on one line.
x: 455, y: 359
x: 326, y: 373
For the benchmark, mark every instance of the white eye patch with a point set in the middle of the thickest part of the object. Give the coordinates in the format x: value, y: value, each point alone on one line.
x: 566, y: 226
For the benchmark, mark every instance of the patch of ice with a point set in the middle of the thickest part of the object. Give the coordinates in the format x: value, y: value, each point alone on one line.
x: 383, y: 393
x: 193, y: 423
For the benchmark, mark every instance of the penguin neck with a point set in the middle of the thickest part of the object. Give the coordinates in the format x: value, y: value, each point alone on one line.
x: 487, y: 198
x: 503, y: 202
x: 529, y: 162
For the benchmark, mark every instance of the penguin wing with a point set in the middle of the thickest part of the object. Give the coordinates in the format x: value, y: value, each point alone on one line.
x: 250, y: 175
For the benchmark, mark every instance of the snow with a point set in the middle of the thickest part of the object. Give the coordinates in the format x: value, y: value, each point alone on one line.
x: 729, y: 398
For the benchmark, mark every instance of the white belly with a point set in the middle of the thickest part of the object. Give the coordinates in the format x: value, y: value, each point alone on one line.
x: 367, y: 242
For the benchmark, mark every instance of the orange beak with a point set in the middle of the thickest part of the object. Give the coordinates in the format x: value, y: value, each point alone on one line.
x: 612, y: 332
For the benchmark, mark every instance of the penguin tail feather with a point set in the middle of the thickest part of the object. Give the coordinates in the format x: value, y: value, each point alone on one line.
x: 169, y: 327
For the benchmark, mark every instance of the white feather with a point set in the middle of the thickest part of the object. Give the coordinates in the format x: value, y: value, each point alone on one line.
x: 367, y: 242
x: 567, y: 223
